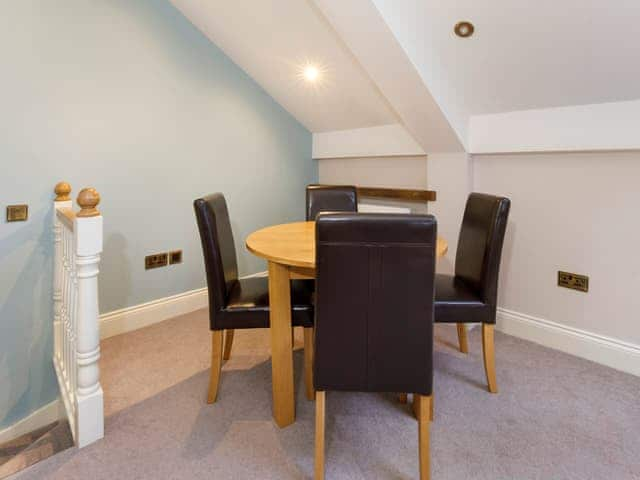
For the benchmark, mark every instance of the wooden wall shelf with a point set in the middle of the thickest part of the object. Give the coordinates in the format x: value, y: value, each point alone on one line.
x: 406, y: 194
x: 398, y: 194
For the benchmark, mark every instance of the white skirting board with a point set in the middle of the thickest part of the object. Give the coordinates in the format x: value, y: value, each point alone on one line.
x: 604, y: 350
x: 50, y: 413
x: 145, y: 314
x: 597, y: 348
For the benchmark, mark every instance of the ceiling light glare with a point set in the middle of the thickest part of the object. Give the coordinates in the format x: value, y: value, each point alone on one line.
x: 311, y: 73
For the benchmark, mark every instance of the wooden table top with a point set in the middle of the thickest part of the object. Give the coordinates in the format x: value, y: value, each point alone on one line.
x: 294, y: 244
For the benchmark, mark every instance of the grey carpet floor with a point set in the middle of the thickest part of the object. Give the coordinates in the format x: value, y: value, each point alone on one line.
x: 556, y: 416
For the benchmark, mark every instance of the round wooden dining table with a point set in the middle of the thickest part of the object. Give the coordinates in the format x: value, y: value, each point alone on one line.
x: 290, y: 251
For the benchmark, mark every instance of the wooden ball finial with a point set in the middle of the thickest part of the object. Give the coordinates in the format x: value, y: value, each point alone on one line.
x: 88, y: 199
x: 63, y: 189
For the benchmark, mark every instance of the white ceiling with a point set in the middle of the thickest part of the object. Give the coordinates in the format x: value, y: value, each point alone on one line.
x: 525, y: 54
x: 363, y: 29
x: 273, y: 39
x: 398, y: 61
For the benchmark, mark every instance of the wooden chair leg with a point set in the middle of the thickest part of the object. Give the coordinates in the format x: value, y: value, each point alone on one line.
x: 216, y: 365
x: 416, y: 406
x: 228, y: 343
x: 308, y: 363
x: 462, y: 338
x: 402, y: 398
x: 320, y: 414
x: 489, y: 354
x: 424, y: 407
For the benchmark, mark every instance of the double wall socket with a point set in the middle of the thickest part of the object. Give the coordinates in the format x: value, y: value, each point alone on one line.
x: 573, y: 281
x: 158, y: 260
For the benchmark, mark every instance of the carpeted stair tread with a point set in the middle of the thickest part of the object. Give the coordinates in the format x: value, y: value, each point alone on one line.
x: 52, y: 439
x: 10, y: 449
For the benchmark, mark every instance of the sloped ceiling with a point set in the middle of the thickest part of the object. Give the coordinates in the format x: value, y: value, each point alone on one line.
x: 272, y: 40
x: 524, y: 54
x: 399, y: 62
x: 361, y: 26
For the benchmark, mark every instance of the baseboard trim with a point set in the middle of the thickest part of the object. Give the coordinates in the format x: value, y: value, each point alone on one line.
x: 145, y: 314
x: 45, y: 415
x: 607, y: 351
x: 140, y: 316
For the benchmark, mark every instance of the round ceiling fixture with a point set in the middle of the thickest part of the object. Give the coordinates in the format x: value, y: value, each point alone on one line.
x: 464, y: 29
x: 311, y: 73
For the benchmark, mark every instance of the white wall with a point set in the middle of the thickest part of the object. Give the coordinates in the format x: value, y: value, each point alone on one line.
x: 390, y: 172
x: 576, y: 212
x: 450, y: 177
x: 578, y: 128
x: 383, y: 141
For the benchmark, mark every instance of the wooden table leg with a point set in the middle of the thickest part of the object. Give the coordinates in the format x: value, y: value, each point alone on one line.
x: 281, y: 349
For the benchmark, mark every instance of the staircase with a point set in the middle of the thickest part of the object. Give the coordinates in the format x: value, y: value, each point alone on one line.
x: 76, y: 342
x: 26, y: 450
x: 76, y: 332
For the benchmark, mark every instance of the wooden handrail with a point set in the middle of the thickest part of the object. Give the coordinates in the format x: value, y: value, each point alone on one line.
x: 66, y: 216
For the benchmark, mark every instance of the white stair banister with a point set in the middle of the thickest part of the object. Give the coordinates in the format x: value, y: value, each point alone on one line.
x: 78, y: 239
x: 62, y: 202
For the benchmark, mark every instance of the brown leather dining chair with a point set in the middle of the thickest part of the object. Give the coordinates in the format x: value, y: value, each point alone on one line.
x: 470, y: 296
x: 374, y: 312
x: 237, y: 302
x: 331, y: 198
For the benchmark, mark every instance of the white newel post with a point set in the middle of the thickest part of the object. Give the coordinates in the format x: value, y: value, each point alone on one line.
x: 88, y: 246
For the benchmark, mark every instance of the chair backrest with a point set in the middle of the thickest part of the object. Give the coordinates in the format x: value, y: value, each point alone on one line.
x: 480, y: 244
x: 330, y: 198
x: 374, y: 302
x: 218, y: 248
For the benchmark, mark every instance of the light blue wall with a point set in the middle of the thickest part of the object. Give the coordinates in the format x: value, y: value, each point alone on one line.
x: 126, y: 96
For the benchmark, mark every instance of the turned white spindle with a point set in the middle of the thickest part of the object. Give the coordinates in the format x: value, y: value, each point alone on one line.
x: 73, y: 310
x: 62, y: 200
x: 65, y: 303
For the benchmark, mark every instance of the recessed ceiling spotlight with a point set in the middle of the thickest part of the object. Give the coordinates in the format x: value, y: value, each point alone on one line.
x: 311, y: 73
x: 464, y: 29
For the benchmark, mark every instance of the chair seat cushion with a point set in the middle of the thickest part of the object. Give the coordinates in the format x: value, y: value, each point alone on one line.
x: 248, y: 304
x: 457, y: 303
